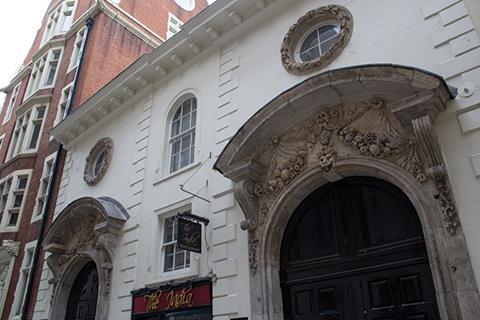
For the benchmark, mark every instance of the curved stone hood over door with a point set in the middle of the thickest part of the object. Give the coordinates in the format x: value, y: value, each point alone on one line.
x: 372, y: 120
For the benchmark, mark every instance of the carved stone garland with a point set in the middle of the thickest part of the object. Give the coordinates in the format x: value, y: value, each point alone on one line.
x: 367, y: 129
x: 315, y: 17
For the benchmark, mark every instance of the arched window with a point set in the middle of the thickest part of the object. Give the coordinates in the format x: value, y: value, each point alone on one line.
x: 182, y: 135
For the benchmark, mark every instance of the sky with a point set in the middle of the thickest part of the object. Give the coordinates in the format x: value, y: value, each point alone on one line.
x: 19, y: 22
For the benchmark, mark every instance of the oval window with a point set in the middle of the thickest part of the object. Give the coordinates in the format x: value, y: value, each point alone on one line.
x: 316, y: 39
x: 98, y: 161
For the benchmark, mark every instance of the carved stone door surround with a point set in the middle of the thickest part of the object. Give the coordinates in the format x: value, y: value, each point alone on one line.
x: 86, y: 230
x: 375, y: 120
x: 8, y: 253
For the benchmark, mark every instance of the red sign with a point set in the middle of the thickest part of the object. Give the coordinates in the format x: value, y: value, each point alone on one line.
x: 162, y: 299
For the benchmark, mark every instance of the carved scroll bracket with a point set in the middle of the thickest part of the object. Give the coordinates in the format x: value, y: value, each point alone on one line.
x: 431, y: 154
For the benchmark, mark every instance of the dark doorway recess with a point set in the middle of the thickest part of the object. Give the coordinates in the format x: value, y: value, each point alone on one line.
x: 82, y: 302
x: 354, y: 249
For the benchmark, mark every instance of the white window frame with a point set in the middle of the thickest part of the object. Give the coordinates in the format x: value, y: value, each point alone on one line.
x: 56, y: 19
x: 2, y: 139
x: 192, y: 131
x: 77, y: 48
x: 24, y: 126
x: 40, y: 71
x: 11, y: 103
x: 187, y: 5
x: 159, y: 274
x: 174, y: 25
x: 63, y: 104
x: 43, y: 186
x: 309, y: 31
x: 20, y: 291
x: 10, y: 197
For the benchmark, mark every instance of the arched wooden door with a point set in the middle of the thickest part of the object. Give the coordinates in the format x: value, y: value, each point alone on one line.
x: 82, y: 302
x: 354, y: 249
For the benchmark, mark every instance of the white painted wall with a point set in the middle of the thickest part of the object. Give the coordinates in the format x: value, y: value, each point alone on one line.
x: 232, y: 81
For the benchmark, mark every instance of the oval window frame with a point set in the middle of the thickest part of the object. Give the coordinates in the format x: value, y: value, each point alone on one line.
x: 332, y: 14
x: 102, y: 145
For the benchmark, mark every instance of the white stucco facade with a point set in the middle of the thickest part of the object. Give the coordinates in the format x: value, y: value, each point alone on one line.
x: 233, y: 77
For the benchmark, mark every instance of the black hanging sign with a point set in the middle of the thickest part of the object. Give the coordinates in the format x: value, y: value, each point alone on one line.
x: 189, y: 235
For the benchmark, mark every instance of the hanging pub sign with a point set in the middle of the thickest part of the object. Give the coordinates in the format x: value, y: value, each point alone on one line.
x: 189, y: 235
x: 188, y: 297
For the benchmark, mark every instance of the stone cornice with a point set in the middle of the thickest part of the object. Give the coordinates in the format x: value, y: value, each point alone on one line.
x: 201, y: 32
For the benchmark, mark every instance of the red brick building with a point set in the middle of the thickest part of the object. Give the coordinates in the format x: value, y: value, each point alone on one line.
x: 81, y: 46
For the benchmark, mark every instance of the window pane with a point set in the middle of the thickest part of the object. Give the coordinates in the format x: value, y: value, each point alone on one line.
x: 194, y: 119
x: 310, y: 42
x: 35, y: 133
x: 186, y: 122
x: 185, y: 158
x: 175, y: 163
x: 168, y: 231
x: 40, y: 112
x: 327, y: 32
x: 310, y: 55
x: 168, y: 261
x: 179, y: 259
x: 51, y: 73
x: 175, y: 128
x: 13, y: 218
x: 22, y: 182
x: 325, y: 46
x: 176, y: 146
x: 17, y: 200
x: 186, y: 107
x: 186, y: 142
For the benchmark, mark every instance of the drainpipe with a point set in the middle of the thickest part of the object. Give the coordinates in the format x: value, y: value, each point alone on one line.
x: 55, y: 172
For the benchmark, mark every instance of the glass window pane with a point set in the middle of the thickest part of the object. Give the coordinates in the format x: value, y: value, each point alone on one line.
x: 22, y: 182
x: 51, y: 73
x: 310, y: 41
x: 194, y: 119
x: 186, y: 142
x: 13, y: 218
x: 179, y: 259
x: 175, y: 128
x: 326, y: 32
x: 310, y: 55
x: 175, y: 163
x: 185, y: 158
x: 17, y: 200
x: 186, y: 107
x: 168, y: 261
x: 325, y: 46
x: 176, y: 146
x: 186, y: 122
x: 35, y: 135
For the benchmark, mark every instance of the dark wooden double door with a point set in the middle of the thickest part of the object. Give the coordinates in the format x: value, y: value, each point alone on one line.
x: 354, y: 249
x: 82, y: 302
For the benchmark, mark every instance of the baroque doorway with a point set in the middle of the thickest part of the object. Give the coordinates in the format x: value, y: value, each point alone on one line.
x: 82, y: 301
x: 354, y: 249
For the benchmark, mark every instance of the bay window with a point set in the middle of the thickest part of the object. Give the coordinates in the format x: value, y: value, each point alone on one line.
x: 11, y: 104
x: 75, y: 58
x: 27, y: 131
x: 59, y: 20
x: 44, y: 71
x: 13, y: 191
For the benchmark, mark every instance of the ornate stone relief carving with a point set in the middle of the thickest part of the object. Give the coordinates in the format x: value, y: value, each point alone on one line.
x: 429, y: 149
x: 3, y: 278
x: 314, y: 17
x: 11, y: 247
x: 86, y: 230
x: 368, y: 129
